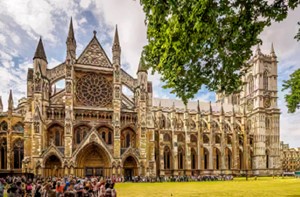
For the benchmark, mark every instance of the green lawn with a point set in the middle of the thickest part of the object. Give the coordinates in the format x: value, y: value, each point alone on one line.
x: 239, y: 187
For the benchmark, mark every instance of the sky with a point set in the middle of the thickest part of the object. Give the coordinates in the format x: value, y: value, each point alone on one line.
x: 22, y: 22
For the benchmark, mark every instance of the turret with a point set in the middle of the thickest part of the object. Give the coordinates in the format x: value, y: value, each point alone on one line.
x: 116, y: 49
x: 10, y: 104
x: 273, y: 55
x: 40, y: 60
x: 142, y: 75
x: 258, y: 51
x: 71, y: 43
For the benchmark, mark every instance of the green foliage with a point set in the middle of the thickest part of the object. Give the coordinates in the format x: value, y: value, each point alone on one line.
x: 206, y: 42
x: 293, y: 97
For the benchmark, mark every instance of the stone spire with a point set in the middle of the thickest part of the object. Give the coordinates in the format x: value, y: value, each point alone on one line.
x: 116, y: 44
x: 272, y: 51
x: 71, y: 42
x: 210, y: 108
x: 116, y: 50
x: 258, y: 51
x: 1, y: 104
x: 199, y: 108
x: 233, y: 111
x: 40, y: 52
x: 10, y: 102
x: 222, y: 108
x: 142, y: 67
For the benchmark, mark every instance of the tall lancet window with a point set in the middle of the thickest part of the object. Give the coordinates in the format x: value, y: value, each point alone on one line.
x: 251, y: 84
x: 265, y: 80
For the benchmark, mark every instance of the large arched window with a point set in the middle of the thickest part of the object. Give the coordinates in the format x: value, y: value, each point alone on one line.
x: 80, y: 133
x: 19, y: 127
x: 106, y: 134
x: 217, y: 139
x: 206, y: 159
x: 180, y: 138
x: 167, y: 158
x: 180, y: 158
x: 205, y: 139
x: 3, y: 126
x: 167, y: 138
x: 250, y: 84
x: 194, y: 159
x: 241, y: 160
x: 217, y: 153
x: 128, y: 138
x: 228, y: 158
x: 55, y: 135
x: 3, y: 153
x: 265, y: 80
x: 267, y: 159
x: 18, y: 153
x: 268, y: 123
x: 193, y: 139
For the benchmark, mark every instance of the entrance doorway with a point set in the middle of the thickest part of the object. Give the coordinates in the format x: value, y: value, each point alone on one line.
x: 92, y: 171
x: 53, y: 167
x: 130, y: 168
x: 93, y: 160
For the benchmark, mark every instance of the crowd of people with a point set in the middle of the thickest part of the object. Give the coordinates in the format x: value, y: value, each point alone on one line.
x: 84, y: 187
x: 57, y: 187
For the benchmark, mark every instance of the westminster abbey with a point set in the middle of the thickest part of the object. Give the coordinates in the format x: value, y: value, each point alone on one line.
x: 91, y: 127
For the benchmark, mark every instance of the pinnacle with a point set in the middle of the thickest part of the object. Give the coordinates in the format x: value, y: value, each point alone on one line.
x: 272, y: 50
x: 71, y: 30
x: 40, y: 52
x: 142, y: 67
x: 10, y: 100
x: 116, y: 44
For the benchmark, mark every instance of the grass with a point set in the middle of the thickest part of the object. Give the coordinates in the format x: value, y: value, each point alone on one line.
x: 263, y: 186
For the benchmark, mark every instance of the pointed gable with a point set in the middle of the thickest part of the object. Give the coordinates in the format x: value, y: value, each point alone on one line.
x: 94, y: 55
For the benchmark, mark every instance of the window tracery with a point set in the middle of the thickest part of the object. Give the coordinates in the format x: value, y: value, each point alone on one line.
x: 18, y: 153
x: 56, y: 135
x: 94, y: 90
x: 80, y: 133
x: 3, y: 126
x: 18, y: 127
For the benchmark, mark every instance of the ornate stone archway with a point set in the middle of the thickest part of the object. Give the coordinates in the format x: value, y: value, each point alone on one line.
x: 53, y: 166
x: 93, y: 160
x: 130, y: 167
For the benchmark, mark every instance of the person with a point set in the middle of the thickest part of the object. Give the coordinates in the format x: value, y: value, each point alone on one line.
x: 59, y: 189
x: 28, y: 189
x: 113, y: 191
x: 2, y: 184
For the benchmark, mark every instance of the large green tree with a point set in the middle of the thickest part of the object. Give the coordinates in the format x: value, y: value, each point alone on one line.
x: 192, y: 43
x: 293, y: 97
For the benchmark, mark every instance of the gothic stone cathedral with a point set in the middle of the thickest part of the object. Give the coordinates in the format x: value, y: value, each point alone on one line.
x: 90, y: 127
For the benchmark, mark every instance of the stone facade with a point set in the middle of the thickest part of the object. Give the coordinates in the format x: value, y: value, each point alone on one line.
x: 90, y: 127
x: 290, y: 158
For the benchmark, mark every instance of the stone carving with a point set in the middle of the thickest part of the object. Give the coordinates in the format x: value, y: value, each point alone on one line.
x: 94, y: 55
x: 94, y: 90
x: 267, y: 102
x: 93, y: 138
x: 68, y: 86
x: 36, y: 126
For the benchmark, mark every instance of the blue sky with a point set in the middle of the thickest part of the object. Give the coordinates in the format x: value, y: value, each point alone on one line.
x: 23, y: 21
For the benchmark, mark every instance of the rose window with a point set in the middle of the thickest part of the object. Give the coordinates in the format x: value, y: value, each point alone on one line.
x: 94, y: 90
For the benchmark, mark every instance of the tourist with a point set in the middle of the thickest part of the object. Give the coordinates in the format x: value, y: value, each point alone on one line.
x: 2, y: 185
x: 59, y: 189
